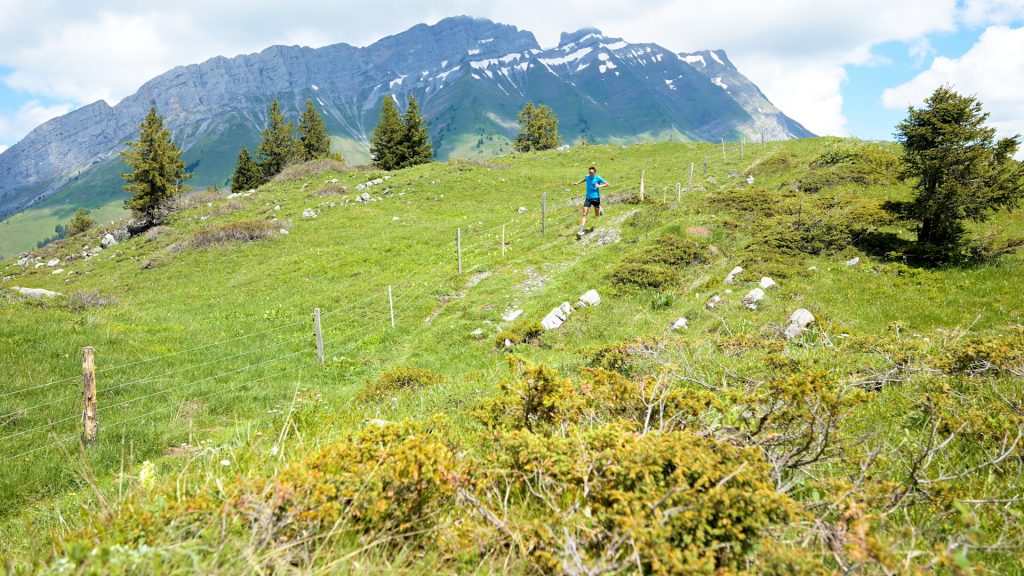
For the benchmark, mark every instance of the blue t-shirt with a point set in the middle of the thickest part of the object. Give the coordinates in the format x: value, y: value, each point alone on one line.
x: 592, y: 190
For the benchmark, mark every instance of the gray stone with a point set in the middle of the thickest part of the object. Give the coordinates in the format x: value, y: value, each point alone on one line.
x: 37, y: 293
x: 798, y: 323
x: 511, y: 315
x: 853, y: 261
x: 753, y: 298
x: 733, y: 274
x: 556, y: 317
x: 108, y: 241
x: 590, y: 298
x: 308, y: 213
x: 713, y: 302
x: 680, y: 324
x: 521, y: 209
x: 58, y: 271
x: 53, y: 262
x: 767, y: 283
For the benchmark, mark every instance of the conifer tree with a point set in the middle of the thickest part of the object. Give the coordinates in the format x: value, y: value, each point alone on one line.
x: 385, y: 144
x: 313, y: 135
x: 156, y: 168
x: 248, y: 174
x: 80, y: 222
x: 959, y: 172
x: 538, y: 129
x: 279, y: 146
x: 416, y: 147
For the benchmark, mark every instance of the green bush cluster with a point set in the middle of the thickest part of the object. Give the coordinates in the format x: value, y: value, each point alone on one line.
x: 522, y: 331
x: 656, y: 264
x: 400, y: 379
x: 241, y: 231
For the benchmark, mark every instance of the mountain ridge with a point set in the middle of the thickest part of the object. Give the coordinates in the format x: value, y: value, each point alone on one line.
x: 471, y: 76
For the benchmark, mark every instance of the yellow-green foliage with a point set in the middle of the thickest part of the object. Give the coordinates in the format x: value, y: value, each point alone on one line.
x: 522, y: 331
x: 994, y: 355
x: 400, y: 379
x: 392, y: 478
x: 668, y: 503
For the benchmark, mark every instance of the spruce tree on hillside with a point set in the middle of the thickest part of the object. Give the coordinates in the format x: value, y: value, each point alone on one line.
x: 416, y: 147
x: 538, y: 129
x: 279, y: 146
x: 959, y: 172
x: 80, y: 222
x: 386, y: 141
x: 248, y: 174
x: 156, y: 168
x: 316, y: 143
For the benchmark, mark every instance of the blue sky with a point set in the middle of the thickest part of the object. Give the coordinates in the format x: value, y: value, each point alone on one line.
x: 839, y: 67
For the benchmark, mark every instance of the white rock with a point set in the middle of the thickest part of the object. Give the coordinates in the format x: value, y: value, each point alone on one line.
x: 680, y: 324
x: 53, y: 262
x: 511, y: 315
x: 378, y: 181
x: 278, y: 207
x: 713, y: 302
x: 750, y: 180
x: 284, y: 232
x: 250, y: 191
x: 767, y: 283
x: 394, y: 218
x: 521, y: 209
x: 308, y: 213
x: 334, y: 181
x: 752, y: 298
x: 361, y: 187
x: 812, y: 268
x: 566, y: 309
x: 732, y: 275
x: 798, y: 323
x: 556, y: 317
x: 108, y: 241
x: 58, y: 271
x: 853, y: 261
x: 508, y: 343
x: 36, y: 292
x: 365, y: 196
x: 477, y: 332
x: 590, y: 298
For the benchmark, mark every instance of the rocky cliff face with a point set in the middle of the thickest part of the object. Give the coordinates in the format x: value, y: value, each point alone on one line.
x: 471, y: 76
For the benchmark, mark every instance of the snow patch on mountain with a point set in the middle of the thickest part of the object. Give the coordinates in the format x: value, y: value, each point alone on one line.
x: 397, y: 81
x: 718, y: 82
x: 693, y: 59
x: 568, y: 58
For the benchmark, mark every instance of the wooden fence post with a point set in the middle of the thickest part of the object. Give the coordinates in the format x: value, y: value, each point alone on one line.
x: 742, y: 140
x: 642, y: 172
x: 679, y: 192
x: 502, y: 240
x: 689, y: 180
x: 458, y: 246
x: 319, y: 336
x: 724, y: 160
x: 90, y: 424
x: 705, y: 164
x: 391, y: 305
x: 543, y: 212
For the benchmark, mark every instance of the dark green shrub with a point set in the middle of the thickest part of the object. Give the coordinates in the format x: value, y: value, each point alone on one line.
x: 643, y: 275
x: 673, y: 250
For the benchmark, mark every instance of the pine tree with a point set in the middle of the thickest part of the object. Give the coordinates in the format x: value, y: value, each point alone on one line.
x: 80, y: 222
x: 959, y: 172
x: 416, y: 147
x: 248, y: 174
x: 279, y: 146
x: 157, y: 170
x: 538, y: 129
x: 385, y: 144
x: 313, y: 135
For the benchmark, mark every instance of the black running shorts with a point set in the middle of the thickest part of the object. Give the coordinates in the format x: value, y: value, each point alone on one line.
x: 595, y: 202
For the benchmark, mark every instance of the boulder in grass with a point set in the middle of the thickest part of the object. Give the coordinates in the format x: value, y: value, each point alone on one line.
x: 37, y: 293
x: 798, y: 323
x: 556, y: 317
x: 308, y: 213
x: 713, y: 302
x: 752, y: 298
x: 511, y: 315
x: 589, y: 298
x: 732, y: 275
x: 680, y: 324
x: 853, y: 261
x: 767, y: 283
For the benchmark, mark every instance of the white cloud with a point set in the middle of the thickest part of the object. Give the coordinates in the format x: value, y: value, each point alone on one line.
x: 27, y: 117
x: 986, y: 12
x: 796, y: 50
x: 992, y: 70
x: 2, y: 148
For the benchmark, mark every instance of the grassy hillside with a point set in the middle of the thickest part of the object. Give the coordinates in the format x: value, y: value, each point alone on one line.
x: 885, y: 439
